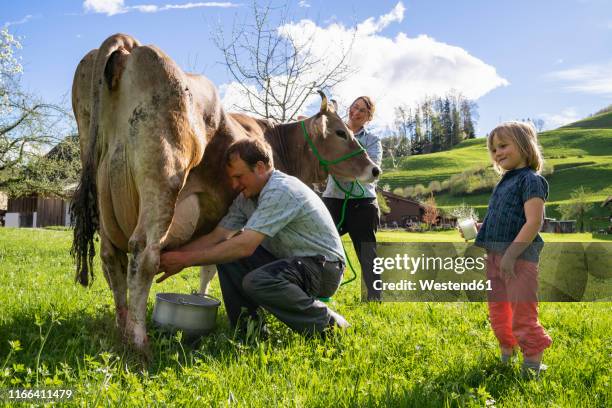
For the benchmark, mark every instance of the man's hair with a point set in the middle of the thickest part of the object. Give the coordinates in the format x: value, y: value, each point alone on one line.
x: 251, y: 151
x: 524, y: 135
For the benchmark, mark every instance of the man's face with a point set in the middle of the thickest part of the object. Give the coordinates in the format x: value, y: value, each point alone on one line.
x: 245, y: 180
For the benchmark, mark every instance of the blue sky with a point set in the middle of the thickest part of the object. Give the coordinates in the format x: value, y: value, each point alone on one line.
x: 517, y: 59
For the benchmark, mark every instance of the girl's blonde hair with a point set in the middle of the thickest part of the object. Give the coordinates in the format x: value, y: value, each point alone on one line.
x: 525, y: 137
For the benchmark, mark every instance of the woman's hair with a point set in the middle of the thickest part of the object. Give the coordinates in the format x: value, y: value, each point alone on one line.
x: 369, y: 105
x: 251, y: 151
x: 525, y: 137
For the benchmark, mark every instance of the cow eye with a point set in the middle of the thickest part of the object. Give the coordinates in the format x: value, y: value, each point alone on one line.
x: 342, y: 134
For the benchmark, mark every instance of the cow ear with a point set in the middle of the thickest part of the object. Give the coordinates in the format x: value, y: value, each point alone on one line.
x: 324, y: 106
x: 320, y: 126
x: 334, y: 105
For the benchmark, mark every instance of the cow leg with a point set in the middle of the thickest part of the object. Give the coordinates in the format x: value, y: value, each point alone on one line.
x: 207, y: 273
x: 145, y: 245
x: 114, y: 266
x: 140, y: 277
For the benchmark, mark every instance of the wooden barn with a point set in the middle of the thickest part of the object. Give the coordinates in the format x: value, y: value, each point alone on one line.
x: 403, y: 210
x: 35, y: 211
x: 558, y: 226
x: 43, y: 210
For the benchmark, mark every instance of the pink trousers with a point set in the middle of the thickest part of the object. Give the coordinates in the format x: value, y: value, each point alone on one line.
x: 513, y: 306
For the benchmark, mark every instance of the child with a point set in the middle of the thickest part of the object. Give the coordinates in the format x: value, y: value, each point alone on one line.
x: 509, y: 232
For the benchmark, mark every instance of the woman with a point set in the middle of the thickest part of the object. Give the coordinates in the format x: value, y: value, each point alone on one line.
x: 362, y: 214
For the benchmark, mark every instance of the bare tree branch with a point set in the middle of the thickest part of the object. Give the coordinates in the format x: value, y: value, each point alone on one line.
x: 274, y: 71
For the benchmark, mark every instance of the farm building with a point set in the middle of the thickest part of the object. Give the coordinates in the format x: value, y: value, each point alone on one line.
x: 558, y: 226
x: 39, y: 209
x: 36, y: 211
x: 405, y: 211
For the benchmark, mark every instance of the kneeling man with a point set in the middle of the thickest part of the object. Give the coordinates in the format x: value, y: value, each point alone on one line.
x: 288, y: 254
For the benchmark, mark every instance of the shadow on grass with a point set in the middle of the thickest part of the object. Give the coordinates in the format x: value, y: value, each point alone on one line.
x: 71, y: 339
x: 456, y: 386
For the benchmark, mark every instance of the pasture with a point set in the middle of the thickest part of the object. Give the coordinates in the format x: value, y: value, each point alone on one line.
x: 56, y: 334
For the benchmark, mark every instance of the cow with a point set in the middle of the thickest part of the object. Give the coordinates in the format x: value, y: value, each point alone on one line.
x: 152, y: 141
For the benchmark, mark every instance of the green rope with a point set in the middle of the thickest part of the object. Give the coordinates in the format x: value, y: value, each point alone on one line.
x: 348, y: 193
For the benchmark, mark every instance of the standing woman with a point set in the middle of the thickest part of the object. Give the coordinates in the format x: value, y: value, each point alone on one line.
x: 362, y: 215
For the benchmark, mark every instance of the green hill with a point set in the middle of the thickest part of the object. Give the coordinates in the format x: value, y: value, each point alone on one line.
x: 581, y: 154
x: 600, y: 121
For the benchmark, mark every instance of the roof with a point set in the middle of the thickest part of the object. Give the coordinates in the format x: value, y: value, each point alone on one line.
x: 388, y: 194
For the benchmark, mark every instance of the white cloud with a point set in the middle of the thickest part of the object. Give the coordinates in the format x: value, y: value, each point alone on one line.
x: 591, y: 78
x: 555, y: 120
x: 22, y: 21
x: 394, y: 71
x: 112, y: 7
x: 303, y: 3
x: 372, y: 26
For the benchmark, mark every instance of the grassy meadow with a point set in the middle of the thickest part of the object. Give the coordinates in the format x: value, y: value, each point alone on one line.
x: 56, y: 334
x: 581, y: 154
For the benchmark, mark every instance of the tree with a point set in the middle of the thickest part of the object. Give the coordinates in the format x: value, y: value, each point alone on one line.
x: 28, y: 127
x: 275, y: 70
x: 577, y: 207
x: 430, y: 217
x: 382, y: 203
x: 456, y: 131
x: 469, y: 114
x: 538, y: 124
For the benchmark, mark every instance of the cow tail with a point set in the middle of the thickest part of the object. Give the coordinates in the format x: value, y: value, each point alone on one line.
x: 84, y: 211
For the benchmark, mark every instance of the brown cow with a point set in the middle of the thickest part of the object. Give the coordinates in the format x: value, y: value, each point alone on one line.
x: 152, y: 141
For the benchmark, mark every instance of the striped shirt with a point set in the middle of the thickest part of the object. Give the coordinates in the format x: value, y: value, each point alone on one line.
x: 291, y: 216
x: 373, y: 147
x: 506, y: 214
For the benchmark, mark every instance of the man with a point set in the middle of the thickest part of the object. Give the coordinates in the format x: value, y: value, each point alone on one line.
x: 288, y: 254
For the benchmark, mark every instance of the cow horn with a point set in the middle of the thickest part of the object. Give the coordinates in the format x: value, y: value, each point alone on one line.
x: 323, y: 100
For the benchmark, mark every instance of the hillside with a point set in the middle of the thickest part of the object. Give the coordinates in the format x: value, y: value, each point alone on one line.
x: 581, y: 154
x: 601, y: 121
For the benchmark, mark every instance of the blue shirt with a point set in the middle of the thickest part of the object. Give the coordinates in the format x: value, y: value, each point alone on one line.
x: 373, y: 147
x: 291, y: 216
x: 506, y: 213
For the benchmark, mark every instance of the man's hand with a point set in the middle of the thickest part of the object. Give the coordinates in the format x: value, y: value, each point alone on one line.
x: 507, y: 266
x: 170, y: 263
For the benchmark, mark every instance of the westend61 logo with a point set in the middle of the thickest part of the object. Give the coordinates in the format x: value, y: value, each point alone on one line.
x: 456, y: 272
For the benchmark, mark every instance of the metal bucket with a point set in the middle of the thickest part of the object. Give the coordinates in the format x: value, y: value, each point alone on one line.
x: 195, y: 315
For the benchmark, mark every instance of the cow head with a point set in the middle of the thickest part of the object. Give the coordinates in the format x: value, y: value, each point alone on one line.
x: 334, y: 140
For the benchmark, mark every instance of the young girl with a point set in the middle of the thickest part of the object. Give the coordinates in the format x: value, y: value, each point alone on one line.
x: 509, y: 232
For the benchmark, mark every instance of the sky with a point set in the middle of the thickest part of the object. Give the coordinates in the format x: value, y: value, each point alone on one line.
x: 516, y: 59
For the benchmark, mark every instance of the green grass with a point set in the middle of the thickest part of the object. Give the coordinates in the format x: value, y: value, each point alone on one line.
x: 395, y: 354
x: 601, y: 121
